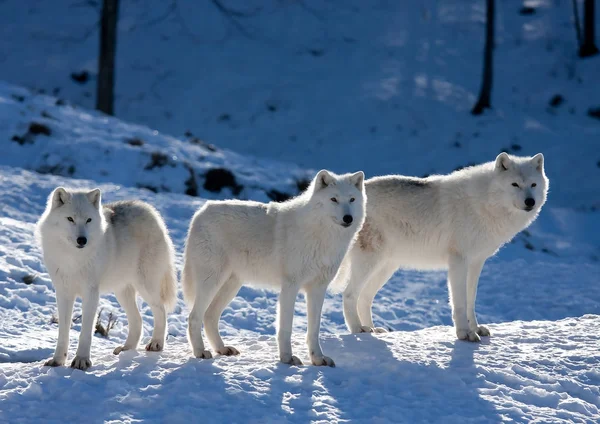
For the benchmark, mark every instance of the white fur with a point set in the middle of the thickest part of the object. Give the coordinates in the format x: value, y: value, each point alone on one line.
x: 128, y: 250
x: 452, y: 222
x: 295, y: 245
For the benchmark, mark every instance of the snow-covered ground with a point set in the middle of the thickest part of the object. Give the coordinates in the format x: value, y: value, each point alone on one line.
x: 539, y: 371
x: 540, y: 364
x: 268, y: 98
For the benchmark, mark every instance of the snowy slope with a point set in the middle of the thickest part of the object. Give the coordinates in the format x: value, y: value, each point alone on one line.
x: 384, y: 86
x: 43, y: 134
x: 544, y: 370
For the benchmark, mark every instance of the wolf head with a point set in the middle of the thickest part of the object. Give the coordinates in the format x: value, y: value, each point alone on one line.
x: 340, y: 198
x: 520, y: 182
x: 74, y: 217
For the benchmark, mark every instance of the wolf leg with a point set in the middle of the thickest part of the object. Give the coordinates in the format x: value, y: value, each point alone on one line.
x: 315, y: 296
x: 360, y: 272
x: 159, y: 332
x: 126, y: 298
x: 457, y: 285
x: 474, y: 271
x: 64, y: 301
x: 285, y: 315
x: 91, y: 297
x: 205, y: 293
x: 365, y: 300
x: 213, y: 314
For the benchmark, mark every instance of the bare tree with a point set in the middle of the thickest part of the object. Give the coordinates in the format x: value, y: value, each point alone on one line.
x: 485, y: 94
x: 106, y: 60
x: 587, y: 47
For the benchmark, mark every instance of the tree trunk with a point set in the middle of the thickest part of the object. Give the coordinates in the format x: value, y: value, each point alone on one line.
x: 577, y: 25
x: 106, y: 60
x: 485, y: 95
x: 588, y: 48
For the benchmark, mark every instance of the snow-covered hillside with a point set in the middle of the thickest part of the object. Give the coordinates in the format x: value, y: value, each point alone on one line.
x: 383, y: 86
x: 43, y: 134
x: 256, y: 102
x: 545, y: 370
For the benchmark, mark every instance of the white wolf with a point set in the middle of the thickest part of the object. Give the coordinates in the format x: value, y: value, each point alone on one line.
x: 90, y: 248
x: 295, y: 245
x: 452, y: 222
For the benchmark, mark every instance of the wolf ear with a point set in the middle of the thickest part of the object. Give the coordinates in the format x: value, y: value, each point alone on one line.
x: 323, y: 179
x: 358, y: 179
x: 503, y: 162
x: 94, y: 197
x: 538, y: 161
x: 60, y: 196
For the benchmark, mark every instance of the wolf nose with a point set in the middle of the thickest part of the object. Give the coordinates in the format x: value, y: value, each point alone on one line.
x: 529, y: 202
x: 347, y: 219
x: 81, y: 241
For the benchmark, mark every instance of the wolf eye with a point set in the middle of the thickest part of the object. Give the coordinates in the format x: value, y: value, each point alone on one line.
x: 515, y: 185
x: 70, y: 219
x: 334, y: 200
x: 533, y: 185
x: 88, y: 221
x: 352, y: 199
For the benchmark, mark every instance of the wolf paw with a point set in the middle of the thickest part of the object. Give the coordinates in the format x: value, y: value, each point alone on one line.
x: 53, y: 363
x: 202, y: 354
x: 322, y: 361
x: 468, y: 335
x: 380, y: 330
x: 291, y: 360
x: 228, y: 351
x: 366, y: 329
x: 81, y: 363
x: 120, y: 349
x: 483, y: 331
x: 154, y: 346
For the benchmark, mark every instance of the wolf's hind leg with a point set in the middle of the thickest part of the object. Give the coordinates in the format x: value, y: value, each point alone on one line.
x: 126, y: 298
x: 360, y: 272
x: 206, y: 290
x: 159, y: 332
x: 149, y: 286
x: 369, y: 291
x: 211, y: 318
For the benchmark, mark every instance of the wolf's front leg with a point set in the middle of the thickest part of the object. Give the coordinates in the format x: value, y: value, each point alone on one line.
x: 315, y: 296
x: 285, y: 312
x: 457, y: 285
x: 91, y: 297
x: 474, y: 271
x: 64, y: 302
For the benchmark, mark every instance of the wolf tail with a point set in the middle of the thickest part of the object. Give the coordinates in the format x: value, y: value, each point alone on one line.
x: 168, y: 288
x: 187, y: 281
x: 340, y: 281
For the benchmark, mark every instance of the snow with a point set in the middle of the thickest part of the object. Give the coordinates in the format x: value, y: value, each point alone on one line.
x: 385, y: 87
x: 541, y: 362
x: 542, y: 371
